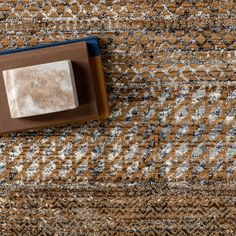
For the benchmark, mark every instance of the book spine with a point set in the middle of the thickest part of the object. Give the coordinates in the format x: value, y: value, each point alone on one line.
x: 99, y: 79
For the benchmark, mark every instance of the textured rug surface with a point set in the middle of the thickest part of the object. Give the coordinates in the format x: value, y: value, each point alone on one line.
x: 165, y: 160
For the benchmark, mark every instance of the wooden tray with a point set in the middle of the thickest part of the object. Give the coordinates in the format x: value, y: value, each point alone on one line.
x: 89, y: 78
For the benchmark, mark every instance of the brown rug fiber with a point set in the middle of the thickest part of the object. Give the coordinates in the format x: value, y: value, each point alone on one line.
x: 164, y: 163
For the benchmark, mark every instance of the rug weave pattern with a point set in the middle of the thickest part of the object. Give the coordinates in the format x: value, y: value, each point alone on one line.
x: 165, y: 160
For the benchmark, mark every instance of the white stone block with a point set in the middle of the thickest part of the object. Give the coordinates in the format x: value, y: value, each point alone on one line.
x: 40, y: 89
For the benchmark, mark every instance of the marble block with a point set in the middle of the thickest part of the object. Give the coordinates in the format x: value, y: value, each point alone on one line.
x: 40, y: 89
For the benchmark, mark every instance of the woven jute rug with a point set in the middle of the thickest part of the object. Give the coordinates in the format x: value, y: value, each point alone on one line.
x: 165, y: 160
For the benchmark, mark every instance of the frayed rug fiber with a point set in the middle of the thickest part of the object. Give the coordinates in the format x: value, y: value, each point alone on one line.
x: 164, y: 162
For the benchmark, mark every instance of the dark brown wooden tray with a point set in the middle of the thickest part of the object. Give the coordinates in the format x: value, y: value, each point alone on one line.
x: 91, y: 92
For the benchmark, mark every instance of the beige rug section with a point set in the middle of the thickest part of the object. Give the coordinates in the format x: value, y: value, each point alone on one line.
x: 165, y: 160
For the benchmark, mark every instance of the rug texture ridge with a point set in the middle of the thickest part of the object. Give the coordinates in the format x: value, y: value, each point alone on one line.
x: 164, y: 162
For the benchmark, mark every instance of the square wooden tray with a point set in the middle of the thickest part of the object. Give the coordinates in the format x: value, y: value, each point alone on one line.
x: 89, y: 83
